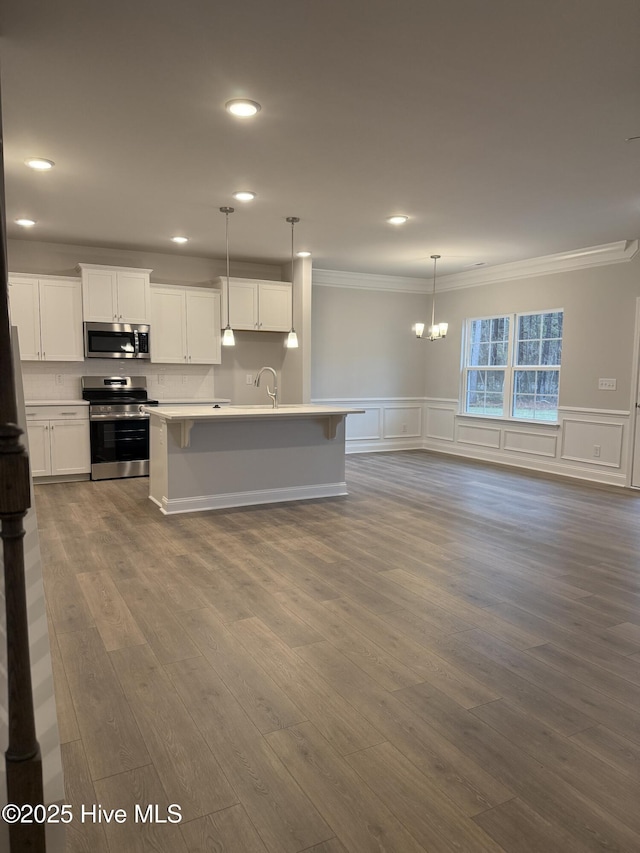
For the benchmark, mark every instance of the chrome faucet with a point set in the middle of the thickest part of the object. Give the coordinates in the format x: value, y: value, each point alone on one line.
x: 274, y: 395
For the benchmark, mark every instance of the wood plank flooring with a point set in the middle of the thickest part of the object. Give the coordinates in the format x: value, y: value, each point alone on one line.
x: 445, y: 660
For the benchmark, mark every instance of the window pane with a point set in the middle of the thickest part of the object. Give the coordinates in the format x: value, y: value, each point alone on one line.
x: 485, y: 392
x: 498, y: 354
x: 552, y: 325
x: 529, y: 327
x: 551, y: 352
x: 525, y: 382
x: 500, y: 329
x: 523, y: 406
x: 528, y: 352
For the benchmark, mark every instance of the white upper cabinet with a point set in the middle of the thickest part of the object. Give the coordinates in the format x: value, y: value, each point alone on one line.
x: 48, y: 314
x: 185, y: 325
x: 203, y: 326
x: 255, y: 305
x: 115, y: 294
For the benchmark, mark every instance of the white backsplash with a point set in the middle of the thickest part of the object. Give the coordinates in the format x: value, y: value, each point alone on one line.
x: 164, y: 381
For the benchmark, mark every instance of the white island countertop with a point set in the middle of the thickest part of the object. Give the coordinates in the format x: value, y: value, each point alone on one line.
x: 200, y: 412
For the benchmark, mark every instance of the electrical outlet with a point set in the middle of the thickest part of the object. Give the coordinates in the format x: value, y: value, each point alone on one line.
x: 249, y: 379
x: 184, y: 379
x: 607, y: 384
x: 404, y: 428
x: 161, y: 379
x: 596, y: 451
x: 59, y: 378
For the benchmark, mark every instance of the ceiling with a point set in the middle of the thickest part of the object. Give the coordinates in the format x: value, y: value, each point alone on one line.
x: 498, y: 126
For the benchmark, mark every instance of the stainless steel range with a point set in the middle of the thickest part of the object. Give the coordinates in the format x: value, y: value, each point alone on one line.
x: 118, y: 426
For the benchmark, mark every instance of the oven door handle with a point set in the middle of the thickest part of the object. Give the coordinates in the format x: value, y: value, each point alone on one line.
x: 139, y: 416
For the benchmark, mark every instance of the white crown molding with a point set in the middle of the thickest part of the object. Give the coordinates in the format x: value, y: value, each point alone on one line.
x: 593, y: 256
x: 368, y: 281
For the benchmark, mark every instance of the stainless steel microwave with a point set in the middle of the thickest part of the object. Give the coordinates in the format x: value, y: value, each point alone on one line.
x: 116, y: 340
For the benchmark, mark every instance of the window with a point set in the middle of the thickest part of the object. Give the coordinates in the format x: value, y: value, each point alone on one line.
x: 512, y: 366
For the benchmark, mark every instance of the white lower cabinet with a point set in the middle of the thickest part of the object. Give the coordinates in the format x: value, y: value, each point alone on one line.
x: 58, y: 440
x: 185, y: 325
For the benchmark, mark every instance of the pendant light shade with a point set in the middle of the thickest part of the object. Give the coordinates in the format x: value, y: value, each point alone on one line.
x: 292, y: 339
x: 228, y: 339
x: 437, y: 331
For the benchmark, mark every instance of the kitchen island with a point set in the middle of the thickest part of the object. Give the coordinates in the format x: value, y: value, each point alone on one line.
x: 204, y: 458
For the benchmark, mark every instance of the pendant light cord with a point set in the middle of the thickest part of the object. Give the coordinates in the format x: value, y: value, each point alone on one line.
x: 227, y: 211
x: 433, y: 300
x: 292, y: 220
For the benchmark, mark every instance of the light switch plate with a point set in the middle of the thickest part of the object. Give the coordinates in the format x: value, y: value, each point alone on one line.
x: 607, y: 384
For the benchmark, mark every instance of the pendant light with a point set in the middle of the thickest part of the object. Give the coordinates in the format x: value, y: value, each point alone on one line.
x: 437, y: 331
x: 292, y: 339
x: 227, y: 339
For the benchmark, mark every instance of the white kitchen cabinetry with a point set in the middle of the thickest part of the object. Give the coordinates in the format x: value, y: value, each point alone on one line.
x: 115, y: 294
x: 48, y: 313
x: 263, y: 306
x: 185, y: 325
x: 58, y: 440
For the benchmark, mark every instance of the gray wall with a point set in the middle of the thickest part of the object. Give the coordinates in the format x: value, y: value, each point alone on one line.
x: 363, y: 345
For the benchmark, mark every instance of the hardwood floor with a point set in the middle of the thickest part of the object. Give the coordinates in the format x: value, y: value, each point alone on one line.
x: 446, y: 660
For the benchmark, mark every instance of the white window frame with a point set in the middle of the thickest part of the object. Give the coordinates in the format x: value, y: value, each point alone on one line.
x: 509, y: 368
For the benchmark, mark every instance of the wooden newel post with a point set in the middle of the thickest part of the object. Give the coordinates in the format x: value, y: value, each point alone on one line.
x: 22, y: 758
x: 23, y: 762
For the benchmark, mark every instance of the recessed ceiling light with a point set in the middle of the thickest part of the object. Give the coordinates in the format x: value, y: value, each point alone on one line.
x: 244, y: 195
x: 303, y: 254
x: 397, y: 219
x: 242, y: 107
x: 180, y: 239
x: 39, y: 164
x: 26, y: 223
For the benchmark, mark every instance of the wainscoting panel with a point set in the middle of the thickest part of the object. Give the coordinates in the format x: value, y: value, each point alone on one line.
x: 481, y: 436
x: 593, y: 442
x: 402, y: 421
x: 366, y: 426
x: 539, y: 444
x: 441, y: 422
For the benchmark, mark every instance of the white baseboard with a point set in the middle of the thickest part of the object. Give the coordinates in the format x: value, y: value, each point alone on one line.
x: 562, y: 469
x: 250, y: 498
